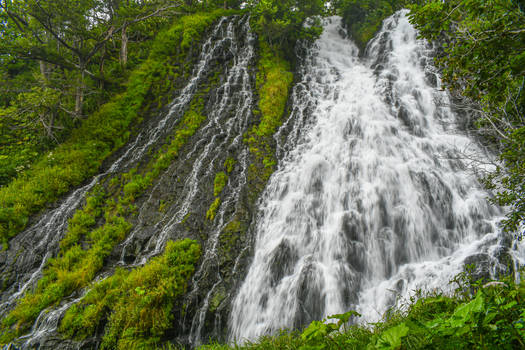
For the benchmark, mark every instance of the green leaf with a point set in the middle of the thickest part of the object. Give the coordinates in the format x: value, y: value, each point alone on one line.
x: 391, y: 338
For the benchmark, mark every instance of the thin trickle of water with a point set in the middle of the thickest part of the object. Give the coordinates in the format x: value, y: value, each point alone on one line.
x: 372, y: 194
x: 211, y: 50
x: 52, y: 226
x: 45, y: 325
x: 223, y: 130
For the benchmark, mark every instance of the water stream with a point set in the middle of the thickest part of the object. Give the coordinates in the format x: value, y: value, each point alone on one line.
x: 228, y: 120
x: 374, y: 196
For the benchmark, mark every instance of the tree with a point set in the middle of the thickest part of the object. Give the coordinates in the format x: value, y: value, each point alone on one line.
x: 70, y: 34
x: 363, y: 18
x: 52, y: 66
x: 484, y: 59
x: 282, y: 22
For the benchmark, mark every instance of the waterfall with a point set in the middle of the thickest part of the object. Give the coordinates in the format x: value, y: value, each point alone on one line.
x: 376, y: 194
x: 229, y: 51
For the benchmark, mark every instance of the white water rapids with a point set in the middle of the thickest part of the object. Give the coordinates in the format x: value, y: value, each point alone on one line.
x: 374, y: 196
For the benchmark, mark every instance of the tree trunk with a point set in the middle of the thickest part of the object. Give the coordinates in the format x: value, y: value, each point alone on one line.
x: 101, y: 67
x: 124, y: 47
x: 79, y: 100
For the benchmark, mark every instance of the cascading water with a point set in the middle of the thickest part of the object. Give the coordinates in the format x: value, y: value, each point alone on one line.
x: 373, y: 197
x: 371, y: 193
x: 230, y: 43
x: 226, y: 124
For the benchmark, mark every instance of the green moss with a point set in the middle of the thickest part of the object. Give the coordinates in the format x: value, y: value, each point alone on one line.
x: 218, y: 184
x: 71, y: 270
x: 274, y: 80
x: 217, y: 299
x: 233, y: 227
x: 162, y: 206
x: 210, y: 214
x: 138, y: 304
x: 229, y: 237
x: 83, y: 220
x: 273, y: 83
x: 229, y: 164
x: 85, y: 246
x: 185, y: 218
x: 75, y: 267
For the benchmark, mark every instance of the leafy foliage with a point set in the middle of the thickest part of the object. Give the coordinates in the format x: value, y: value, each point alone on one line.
x: 363, y: 18
x: 484, y: 60
x: 86, y: 246
x: 59, y: 61
x: 101, y: 134
x: 281, y: 23
x: 138, y: 304
x: 477, y: 316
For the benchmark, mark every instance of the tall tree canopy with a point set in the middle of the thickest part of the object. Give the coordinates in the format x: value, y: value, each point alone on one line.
x: 282, y: 22
x: 59, y: 60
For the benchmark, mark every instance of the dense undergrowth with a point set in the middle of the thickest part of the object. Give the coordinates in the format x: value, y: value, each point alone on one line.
x: 478, y: 315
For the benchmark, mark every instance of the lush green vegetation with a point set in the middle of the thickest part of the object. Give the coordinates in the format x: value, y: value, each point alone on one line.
x: 212, y: 210
x: 221, y: 179
x: 103, y: 132
x: 85, y: 247
x: 64, y: 109
x: 59, y: 62
x: 477, y: 315
x: 273, y: 83
x: 45, y: 110
x: 363, y: 18
x: 483, y: 59
x: 138, y: 305
x: 281, y: 23
x: 229, y: 164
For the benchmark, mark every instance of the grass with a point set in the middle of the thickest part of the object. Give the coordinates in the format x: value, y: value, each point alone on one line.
x: 273, y: 83
x: 138, y: 304
x: 210, y: 214
x: 220, y: 181
x: 229, y: 164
